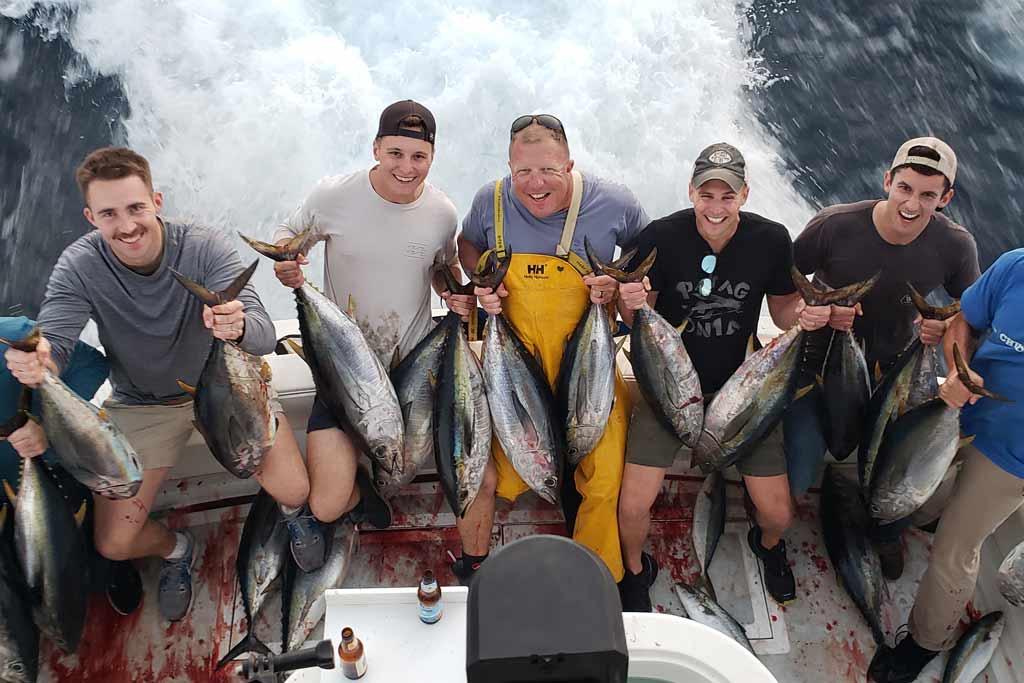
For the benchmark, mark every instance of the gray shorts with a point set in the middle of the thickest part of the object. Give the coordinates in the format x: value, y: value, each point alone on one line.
x: 650, y: 443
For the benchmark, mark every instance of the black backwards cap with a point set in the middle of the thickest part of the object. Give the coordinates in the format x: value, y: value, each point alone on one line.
x: 391, y: 117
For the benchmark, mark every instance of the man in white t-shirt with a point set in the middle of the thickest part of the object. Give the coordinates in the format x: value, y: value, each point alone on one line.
x: 383, y: 228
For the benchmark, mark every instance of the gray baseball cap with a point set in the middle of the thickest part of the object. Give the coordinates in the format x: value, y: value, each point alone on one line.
x: 945, y: 164
x: 720, y: 161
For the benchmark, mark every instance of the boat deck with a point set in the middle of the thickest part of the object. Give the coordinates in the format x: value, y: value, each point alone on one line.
x: 820, y: 637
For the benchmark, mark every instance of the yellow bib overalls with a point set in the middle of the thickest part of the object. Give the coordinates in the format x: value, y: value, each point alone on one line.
x: 546, y: 298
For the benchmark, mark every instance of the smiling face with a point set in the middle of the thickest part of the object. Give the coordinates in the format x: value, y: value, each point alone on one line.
x: 913, y: 200
x: 541, y: 170
x: 402, y: 167
x: 125, y: 212
x: 717, y: 207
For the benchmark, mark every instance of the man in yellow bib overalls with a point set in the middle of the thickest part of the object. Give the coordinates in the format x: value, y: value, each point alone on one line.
x: 540, y: 214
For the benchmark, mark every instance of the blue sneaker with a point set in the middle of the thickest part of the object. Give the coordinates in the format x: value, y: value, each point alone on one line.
x: 174, y: 596
x: 307, y: 541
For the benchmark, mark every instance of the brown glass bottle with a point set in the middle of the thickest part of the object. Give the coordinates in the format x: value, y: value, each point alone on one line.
x: 353, y: 659
x: 429, y: 595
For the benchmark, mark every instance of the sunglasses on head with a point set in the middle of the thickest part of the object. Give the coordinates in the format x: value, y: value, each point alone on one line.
x: 707, y: 264
x: 547, y: 120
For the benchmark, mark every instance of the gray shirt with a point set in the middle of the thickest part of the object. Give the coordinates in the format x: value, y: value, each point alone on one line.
x: 609, y: 215
x: 151, y: 328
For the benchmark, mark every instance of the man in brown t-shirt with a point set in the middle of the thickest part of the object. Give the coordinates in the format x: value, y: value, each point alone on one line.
x: 905, y: 238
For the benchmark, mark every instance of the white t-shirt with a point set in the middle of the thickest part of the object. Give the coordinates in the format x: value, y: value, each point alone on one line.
x: 380, y: 254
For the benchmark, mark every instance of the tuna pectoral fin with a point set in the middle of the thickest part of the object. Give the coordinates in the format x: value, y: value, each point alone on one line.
x: 248, y: 644
x: 11, y: 495
x: 296, y: 349
x: 531, y: 434
x: 621, y: 345
x: 187, y: 388
x: 736, y: 424
x: 803, y: 391
x: 80, y: 514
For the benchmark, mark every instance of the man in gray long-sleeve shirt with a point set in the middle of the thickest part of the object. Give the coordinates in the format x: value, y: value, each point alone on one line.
x: 154, y: 333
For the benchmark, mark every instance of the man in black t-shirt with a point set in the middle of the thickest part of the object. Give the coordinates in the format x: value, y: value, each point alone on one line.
x: 905, y: 238
x: 715, y: 266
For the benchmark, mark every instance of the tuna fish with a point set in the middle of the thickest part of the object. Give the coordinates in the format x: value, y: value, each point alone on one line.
x: 263, y: 552
x: 910, y: 382
x: 302, y: 594
x: 585, y: 389
x: 1011, y: 576
x: 751, y: 402
x: 664, y: 372
x: 701, y: 607
x: 844, y: 523
x: 462, y: 422
x: 974, y: 650
x: 19, y: 638
x: 917, y: 450
x: 413, y: 379
x: 349, y: 377
x: 885, y: 404
x: 520, y: 399
x: 846, y: 391
x: 90, y: 446
x: 708, y: 522
x: 51, y: 551
x: 232, y: 398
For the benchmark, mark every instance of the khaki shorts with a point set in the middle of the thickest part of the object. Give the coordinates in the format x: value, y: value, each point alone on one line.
x: 650, y: 443
x: 159, y: 432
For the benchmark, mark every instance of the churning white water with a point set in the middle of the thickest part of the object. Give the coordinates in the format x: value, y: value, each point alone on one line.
x: 241, y: 105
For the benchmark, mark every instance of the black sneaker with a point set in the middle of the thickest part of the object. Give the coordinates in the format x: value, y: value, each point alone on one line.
x: 778, y: 577
x: 890, y: 556
x: 463, y: 569
x: 372, y: 508
x: 124, y: 587
x: 635, y: 589
x: 901, y: 664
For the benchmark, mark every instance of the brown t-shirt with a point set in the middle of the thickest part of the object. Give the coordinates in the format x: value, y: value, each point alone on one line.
x: 841, y: 245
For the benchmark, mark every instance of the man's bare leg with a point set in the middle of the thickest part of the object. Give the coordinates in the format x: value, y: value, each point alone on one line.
x: 282, y: 473
x: 640, y: 487
x: 331, y: 459
x: 123, y: 529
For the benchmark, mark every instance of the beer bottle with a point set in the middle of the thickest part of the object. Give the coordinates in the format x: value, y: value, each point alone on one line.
x: 429, y: 595
x: 353, y: 659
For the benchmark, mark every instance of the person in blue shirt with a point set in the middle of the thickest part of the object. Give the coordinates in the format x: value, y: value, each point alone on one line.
x: 990, y: 487
x: 84, y: 374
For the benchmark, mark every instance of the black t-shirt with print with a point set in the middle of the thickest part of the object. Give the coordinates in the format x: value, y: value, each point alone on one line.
x: 755, y: 262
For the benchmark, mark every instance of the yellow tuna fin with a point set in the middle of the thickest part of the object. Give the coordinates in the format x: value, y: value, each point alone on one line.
x: 803, y: 391
x: 820, y: 380
x: 11, y: 495
x: 103, y: 415
x: 965, y: 441
x: 80, y: 514
x: 265, y: 372
x: 187, y: 388
x: 351, y: 308
x: 878, y: 371
x: 296, y: 349
x: 396, y: 358
x: 3, y: 518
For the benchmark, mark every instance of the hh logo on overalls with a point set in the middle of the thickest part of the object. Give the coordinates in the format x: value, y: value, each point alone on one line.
x: 534, y: 270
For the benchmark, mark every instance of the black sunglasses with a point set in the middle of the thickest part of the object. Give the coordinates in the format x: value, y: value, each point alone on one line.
x: 547, y: 120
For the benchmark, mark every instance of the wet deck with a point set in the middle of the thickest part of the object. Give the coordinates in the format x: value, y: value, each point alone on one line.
x: 821, y: 637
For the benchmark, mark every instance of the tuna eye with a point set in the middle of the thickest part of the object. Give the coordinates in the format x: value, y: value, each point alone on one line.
x: 549, y: 482
x: 573, y: 451
x: 463, y: 495
x: 16, y: 667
